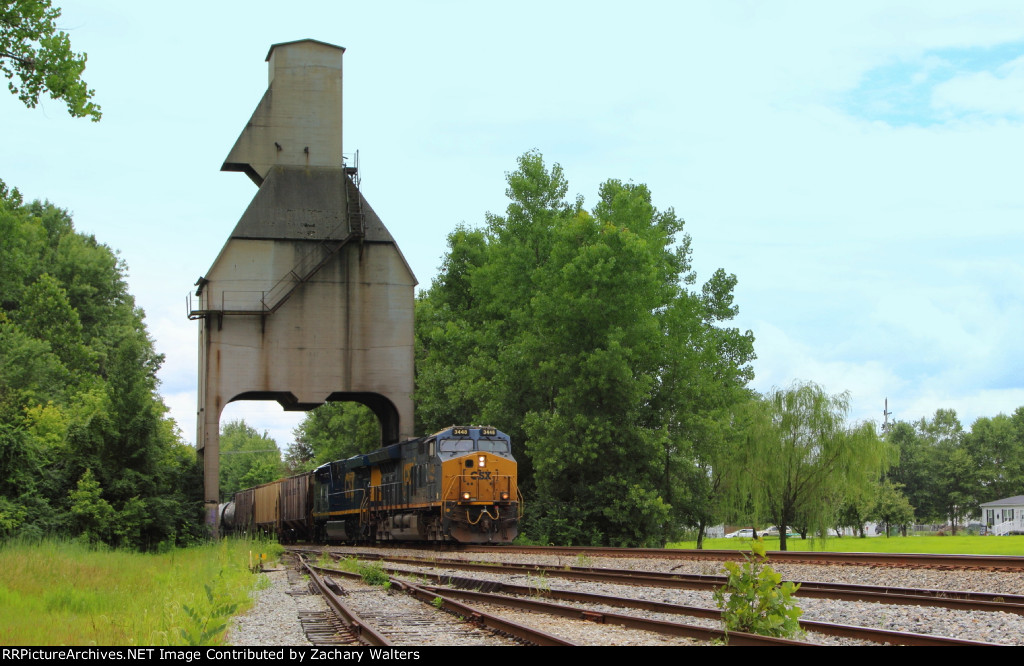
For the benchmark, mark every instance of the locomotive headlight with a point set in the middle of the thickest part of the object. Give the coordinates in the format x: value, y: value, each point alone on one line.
x: 483, y: 460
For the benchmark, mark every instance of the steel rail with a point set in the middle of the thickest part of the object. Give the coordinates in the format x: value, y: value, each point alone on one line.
x: 628, y: 621
x: 469, y: 613
x: 363, y: 631
x: 477, y: 616
x: 952, y: 600
x: 993, y: 562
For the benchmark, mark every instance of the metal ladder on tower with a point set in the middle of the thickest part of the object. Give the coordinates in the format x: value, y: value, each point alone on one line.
x: 322, y: 252
x: 311, y: 261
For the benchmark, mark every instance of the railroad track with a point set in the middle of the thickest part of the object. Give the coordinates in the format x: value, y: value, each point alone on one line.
x: 350, y: 628
x: 955, y: 600
x: 596, y: 620
x: 906, y: 623
x: 504, y: 615
x: 375, y: 616
x: 1009, y: 563
x: 596, y: 608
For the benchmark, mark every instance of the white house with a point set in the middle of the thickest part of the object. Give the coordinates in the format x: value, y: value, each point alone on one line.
x: 1004, y: 516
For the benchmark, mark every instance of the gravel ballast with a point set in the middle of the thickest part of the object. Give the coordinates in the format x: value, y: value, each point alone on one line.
x: 274, y: 619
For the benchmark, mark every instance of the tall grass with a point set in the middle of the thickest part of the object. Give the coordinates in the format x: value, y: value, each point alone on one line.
x: 65, y: 593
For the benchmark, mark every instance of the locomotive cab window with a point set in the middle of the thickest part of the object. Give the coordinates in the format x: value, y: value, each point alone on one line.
x: 496, y: 445
x: 457, y: 445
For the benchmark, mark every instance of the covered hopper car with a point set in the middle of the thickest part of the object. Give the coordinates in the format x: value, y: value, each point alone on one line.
x: 458, y: 484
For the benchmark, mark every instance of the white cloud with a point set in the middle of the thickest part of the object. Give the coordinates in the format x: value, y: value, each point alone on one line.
x: 998, y: 93
x: 969, y: 406
x: 912, y: 393
x: 266, y: 417
x: 783, y: 359
x: 182, y: 407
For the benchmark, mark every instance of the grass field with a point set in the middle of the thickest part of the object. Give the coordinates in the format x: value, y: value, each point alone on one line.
x: 950, y: 545
x: 60, y: 593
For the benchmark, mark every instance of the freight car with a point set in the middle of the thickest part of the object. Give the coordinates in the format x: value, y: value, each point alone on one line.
x: 254, y: 510
x: 458, y: 484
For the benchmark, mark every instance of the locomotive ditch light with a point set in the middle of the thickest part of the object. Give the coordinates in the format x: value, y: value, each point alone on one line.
x: 465, y: 496
x: 504, y: 496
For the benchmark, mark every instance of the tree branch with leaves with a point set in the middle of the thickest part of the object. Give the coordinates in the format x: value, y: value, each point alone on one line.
x: 35, y: 57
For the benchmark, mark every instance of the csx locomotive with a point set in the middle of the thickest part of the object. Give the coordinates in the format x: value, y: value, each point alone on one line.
x: 458, y: 484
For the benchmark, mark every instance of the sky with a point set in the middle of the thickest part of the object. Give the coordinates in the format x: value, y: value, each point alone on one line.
x: 857, y: 166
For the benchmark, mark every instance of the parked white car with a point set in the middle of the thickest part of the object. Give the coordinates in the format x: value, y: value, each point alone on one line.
x: 743, y: 534
x: 774, y: 531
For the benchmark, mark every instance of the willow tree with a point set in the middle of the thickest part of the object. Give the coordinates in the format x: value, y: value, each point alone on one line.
x: 800, y: 458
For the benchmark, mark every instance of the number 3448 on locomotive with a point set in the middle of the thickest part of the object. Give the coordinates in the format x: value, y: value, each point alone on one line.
x: 457, y: 484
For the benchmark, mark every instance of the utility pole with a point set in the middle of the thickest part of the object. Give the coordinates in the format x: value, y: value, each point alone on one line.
x: 886, y: 413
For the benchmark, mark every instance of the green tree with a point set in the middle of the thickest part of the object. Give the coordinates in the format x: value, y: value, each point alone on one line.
x: 78, y: 391
x: 954, y: 476
x: 997, y: 446
x: 595, y: 348
x: 959, y: 485
x: 35, y: 56
x: 703, y: 375
x: 333, y: 431
x: 947, y: 473
x: 562, y: 326
x: 93, y: 517
x: 20, y: 463
x: 30, y: 373
x: 299, y: 458
x: 915, y: 471
x: 801, y: 457
x: 46, y: 314
x: 856, y: 508
x: 891, y: 506
x: 247, y: 458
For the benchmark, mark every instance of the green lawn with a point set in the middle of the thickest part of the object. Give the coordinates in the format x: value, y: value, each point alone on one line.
x: 950, y: 545
x: 60, y: 593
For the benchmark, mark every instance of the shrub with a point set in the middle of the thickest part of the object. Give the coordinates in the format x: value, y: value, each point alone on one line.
x: 374, y: 574
x: 758, y: 601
